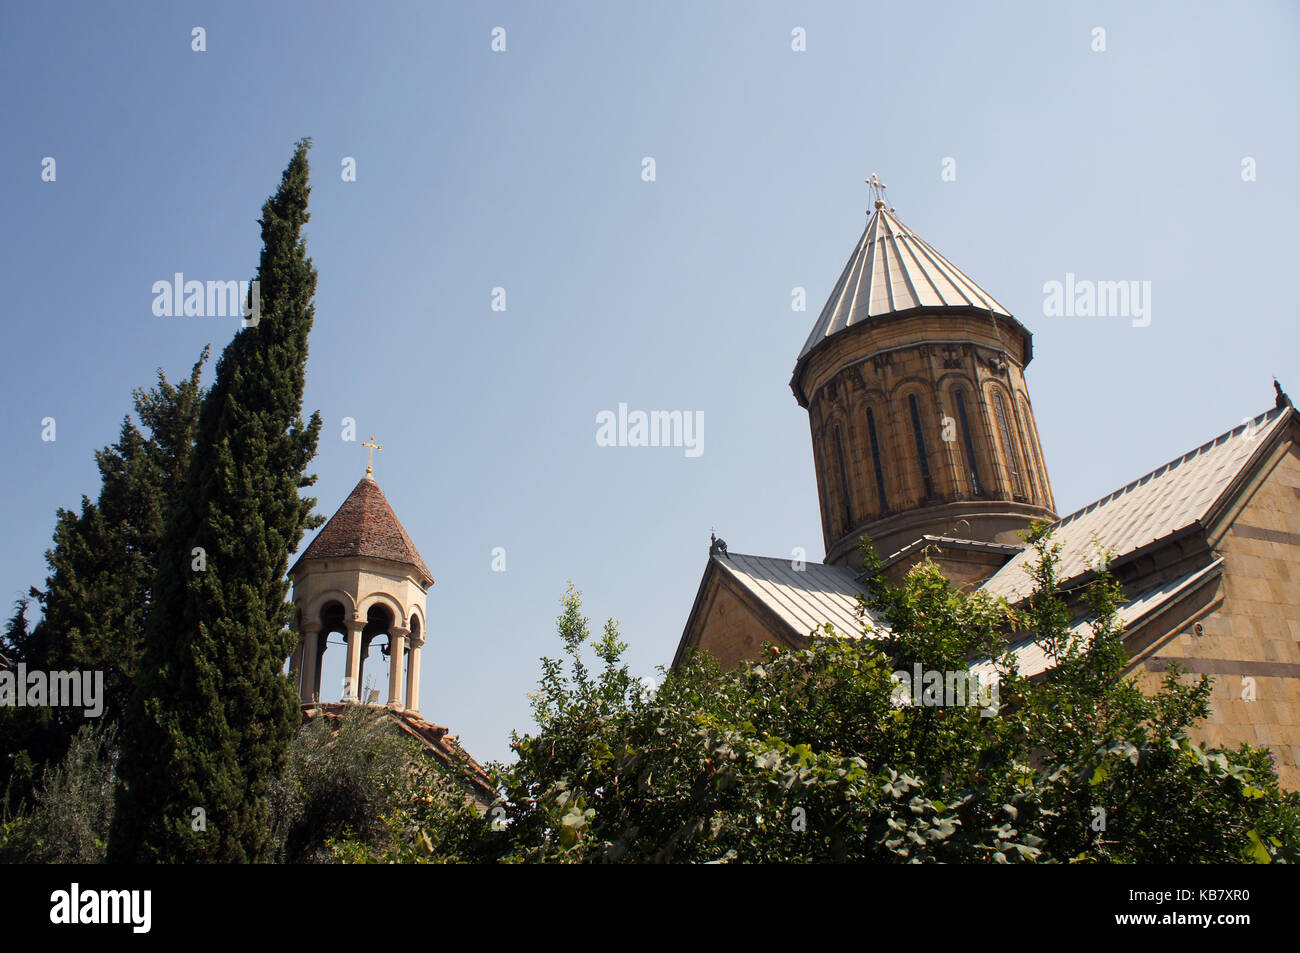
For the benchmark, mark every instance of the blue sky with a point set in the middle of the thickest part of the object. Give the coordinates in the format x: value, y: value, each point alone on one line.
x: 522, y: 169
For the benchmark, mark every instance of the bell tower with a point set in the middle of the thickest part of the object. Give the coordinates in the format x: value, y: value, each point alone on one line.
x: 362, y: 578
x: 922, y: 427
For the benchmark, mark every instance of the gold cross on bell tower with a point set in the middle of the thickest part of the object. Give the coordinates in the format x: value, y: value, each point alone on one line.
x: 370, y: 464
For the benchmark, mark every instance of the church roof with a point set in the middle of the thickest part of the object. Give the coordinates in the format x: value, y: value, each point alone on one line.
x: 892, y: 269
x: 804, y: 599
x: 1032, y: 657
x: 1170, y: 499
x: 366, y: 526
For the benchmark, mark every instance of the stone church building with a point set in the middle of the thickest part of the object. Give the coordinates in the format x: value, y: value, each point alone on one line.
x: 924, y: 440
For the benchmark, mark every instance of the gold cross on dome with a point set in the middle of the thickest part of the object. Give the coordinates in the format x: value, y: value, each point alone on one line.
x: 877, y: 189
x: 370, y: 464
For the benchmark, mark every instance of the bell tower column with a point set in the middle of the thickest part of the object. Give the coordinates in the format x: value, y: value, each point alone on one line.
x: 396, y: 656
x: 413, y: 676
x: 351, y: 690
x: 309, y: 686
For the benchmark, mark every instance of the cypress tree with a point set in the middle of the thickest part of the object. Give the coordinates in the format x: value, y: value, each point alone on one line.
x: 102, y: 565
x: 213, y: 712
x: 99, y: 593
x: 29, y: 737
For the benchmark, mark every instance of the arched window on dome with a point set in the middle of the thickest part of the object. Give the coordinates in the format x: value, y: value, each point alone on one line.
x: 822, y: 461
x: 844, y: 478
x: 926, y: 479
x: 972, y: 467
x: 875, y: 460
x: 1008, y: 446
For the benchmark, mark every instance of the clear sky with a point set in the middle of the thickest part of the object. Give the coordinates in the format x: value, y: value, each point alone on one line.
x: 522, y: 170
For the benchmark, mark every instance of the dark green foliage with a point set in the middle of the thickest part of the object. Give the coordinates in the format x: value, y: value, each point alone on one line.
x: 213, y: 713
x: 30, y: 738
x: 68, y: 820
x: 339, y: 780
x: 810, y: 755
x: 104, y: 560
x: 101, y: 577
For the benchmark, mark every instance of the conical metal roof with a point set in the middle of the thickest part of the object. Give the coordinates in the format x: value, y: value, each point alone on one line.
x: 892, y: 269
x: 365, y: 525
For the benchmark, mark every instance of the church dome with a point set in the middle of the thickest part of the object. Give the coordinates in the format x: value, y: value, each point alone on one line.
x: 913, y: 379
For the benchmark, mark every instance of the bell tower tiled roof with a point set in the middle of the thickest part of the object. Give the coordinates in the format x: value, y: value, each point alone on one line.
x: 365, y: 525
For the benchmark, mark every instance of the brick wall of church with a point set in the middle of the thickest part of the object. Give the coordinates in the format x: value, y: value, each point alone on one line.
x: 729, y: 627
x: 928, y: 357
x: 1252, y: 640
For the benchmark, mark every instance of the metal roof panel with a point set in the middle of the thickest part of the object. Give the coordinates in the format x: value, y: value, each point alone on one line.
x: 805, y: 598
x: 893, y: 269
x: 1170, y: 498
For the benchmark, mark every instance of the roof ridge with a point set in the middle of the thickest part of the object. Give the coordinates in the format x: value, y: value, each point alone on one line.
x: 779, y: 559
x: 1171, y: 464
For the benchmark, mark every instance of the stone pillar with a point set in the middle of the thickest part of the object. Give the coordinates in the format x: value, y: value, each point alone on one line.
x: 396, y: 656
x: 309, y: 687
x: 352, y: 678
x: 413, y: 678
x: 361, y: 666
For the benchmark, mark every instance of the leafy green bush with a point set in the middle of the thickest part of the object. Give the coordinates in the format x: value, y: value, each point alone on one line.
x: 357, y: 789
x: 72, y: 808
x: 339, y: 778
x: 809, y: 755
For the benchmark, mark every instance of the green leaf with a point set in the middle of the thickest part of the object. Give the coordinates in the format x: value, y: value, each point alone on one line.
x: 1257, y: 851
